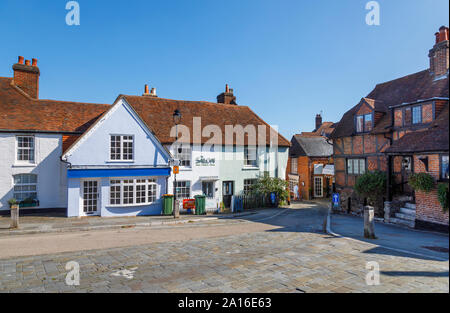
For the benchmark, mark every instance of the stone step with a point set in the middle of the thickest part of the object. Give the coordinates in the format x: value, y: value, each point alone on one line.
x: 403, y: 216
x: 411, y: 206
x: 408, y: 211
x: 403, y: 222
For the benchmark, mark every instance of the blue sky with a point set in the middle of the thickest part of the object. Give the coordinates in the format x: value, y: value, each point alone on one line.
x: 287, y: 59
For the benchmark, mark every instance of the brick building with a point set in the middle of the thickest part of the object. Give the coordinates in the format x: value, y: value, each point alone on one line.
x: 400, y: 128
x: 310, y: 165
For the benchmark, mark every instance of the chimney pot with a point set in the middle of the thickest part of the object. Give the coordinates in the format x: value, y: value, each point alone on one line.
x: 227, y: 88
x: 21, y: 58
x: 153, y: 92
x: 27, y: 62
x: 146, y: 90
x: 34, y: 62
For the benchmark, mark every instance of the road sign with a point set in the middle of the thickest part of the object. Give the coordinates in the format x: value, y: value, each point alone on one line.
x: 176, y: 169
x: 335, y: 199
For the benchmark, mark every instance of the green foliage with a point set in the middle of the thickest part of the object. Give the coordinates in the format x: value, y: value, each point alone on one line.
x: 266, y: 185
x: 421, y: 181
x: 28, y: 201
x: 442, y: 192
x: 12, y: 202
x: 371, y: 185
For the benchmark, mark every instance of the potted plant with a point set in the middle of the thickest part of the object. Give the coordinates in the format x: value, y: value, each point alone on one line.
x: 13, y: 204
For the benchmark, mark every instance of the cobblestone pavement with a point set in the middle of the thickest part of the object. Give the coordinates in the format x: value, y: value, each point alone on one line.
x: 294, y: 258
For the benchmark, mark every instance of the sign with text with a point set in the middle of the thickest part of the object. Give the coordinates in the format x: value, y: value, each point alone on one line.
x: 188, y: 204
x: 176, y: 170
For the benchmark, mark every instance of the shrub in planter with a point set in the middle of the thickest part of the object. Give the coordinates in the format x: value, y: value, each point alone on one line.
x: 442, y: 192
x: 371, y: 185
x: 12, y: 202
x: 421, y: 181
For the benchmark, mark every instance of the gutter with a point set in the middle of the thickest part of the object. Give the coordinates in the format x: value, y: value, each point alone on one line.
x: 418, y: 101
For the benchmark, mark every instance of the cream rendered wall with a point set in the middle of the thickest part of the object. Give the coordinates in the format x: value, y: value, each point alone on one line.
x: 50, y: 171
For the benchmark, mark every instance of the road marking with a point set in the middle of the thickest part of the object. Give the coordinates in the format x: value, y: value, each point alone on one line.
x: 127, y: 273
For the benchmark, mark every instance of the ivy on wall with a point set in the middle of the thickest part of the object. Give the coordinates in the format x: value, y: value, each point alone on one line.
x: 421, y: 181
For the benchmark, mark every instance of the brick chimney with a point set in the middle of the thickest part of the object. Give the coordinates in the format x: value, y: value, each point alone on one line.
x: 26, y: 77
x: 318, y: 121
x: 439, y: 62
x: 227, y: 97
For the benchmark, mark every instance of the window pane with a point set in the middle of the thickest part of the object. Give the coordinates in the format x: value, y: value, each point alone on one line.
x: 359, y: 123
x: 250, y: 156
x: 207, y: 189
x: 350, y: 166
x: 444, y: 166
x: 368, y: 122
x: 417, y: 115
x: 362, y: 166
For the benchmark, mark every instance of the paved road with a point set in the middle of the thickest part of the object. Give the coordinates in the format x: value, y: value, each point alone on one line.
x: 272, y: 251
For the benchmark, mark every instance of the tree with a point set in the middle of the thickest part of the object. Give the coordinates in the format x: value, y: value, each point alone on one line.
x: 267, y: 185
x: 371, y: 185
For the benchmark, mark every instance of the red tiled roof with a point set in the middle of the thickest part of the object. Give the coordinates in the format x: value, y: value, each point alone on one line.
x: 407, y: 89
x: 434, y: 138
x: 19, y: 112
x: 157, y: 114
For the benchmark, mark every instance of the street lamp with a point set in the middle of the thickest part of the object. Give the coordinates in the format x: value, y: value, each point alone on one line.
x: 176, y: 119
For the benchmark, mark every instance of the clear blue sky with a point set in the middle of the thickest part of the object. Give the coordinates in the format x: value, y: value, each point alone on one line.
x: 287, y: 59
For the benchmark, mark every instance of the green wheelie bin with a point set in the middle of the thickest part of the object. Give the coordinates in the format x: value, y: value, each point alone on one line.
x: 200, y: 202
x: 167, y: 204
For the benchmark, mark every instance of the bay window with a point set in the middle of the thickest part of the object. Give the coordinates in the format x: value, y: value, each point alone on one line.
x: 25, y: 187
x: 132, y: 191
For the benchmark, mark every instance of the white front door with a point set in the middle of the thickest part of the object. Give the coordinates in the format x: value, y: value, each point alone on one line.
x: 90, y: 197
x: 318, y: 186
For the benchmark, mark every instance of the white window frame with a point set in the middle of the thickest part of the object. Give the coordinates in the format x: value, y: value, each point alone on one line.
x: 33, y: 149
x: 25, y: 185
x: 185, y: 156
x: 175, y: 191
x: 248, y: 183
x: 150, y: 190
x: 363, y: 117
x: 294, y: 165
x: 213, y: 188
x: 122, y: 142
x: 249, y: 162
x: 356, y: 161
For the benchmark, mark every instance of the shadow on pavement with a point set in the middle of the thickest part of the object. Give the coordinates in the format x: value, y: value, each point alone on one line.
x: 415, y: 273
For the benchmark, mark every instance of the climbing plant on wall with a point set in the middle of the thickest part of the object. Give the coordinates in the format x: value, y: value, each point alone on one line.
x: 443, y: 196
x: 421, y: 181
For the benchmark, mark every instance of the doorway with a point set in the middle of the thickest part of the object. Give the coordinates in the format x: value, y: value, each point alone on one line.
x: 91, y: 197
x: 227, y: 192
x: 318, y: 187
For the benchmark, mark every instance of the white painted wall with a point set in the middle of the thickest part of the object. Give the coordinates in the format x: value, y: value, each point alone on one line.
x: 230, y: 167
x: 93, y: 151
x: 50, y: 171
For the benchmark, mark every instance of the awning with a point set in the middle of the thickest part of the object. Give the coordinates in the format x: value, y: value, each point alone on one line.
x: 328, y: 170
x: 208, y: 178
x: 117, y: 172
x: 318, y: 169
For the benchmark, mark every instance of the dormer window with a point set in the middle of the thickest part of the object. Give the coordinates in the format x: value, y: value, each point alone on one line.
x: 364, y: 123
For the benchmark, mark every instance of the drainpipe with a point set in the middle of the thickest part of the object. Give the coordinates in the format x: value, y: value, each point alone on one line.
x: 389, y: 162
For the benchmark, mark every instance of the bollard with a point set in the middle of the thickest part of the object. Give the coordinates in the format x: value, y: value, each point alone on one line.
x: 177, y: 209
x: 387, y: 211
x: 14, y: 216
x: 369, y: 227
